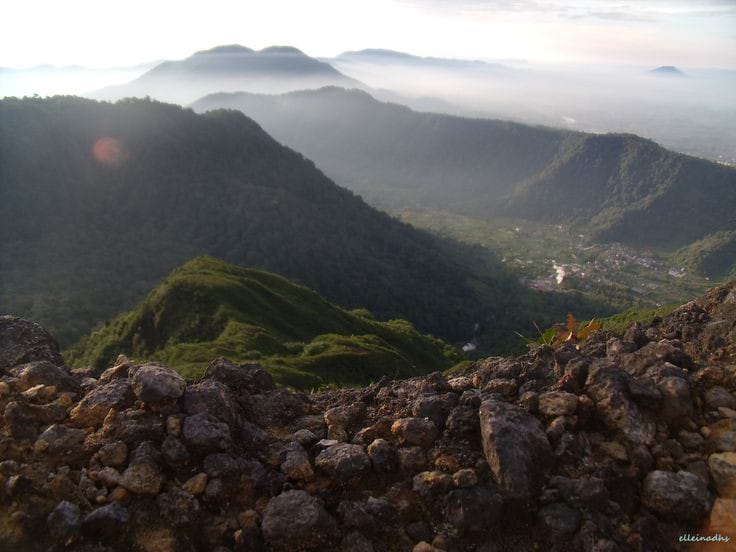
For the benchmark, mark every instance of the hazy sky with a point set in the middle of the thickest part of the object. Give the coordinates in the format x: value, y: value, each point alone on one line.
x: 695, y: 33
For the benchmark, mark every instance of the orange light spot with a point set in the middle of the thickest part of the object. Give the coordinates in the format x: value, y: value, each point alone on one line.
x: 109, y: 151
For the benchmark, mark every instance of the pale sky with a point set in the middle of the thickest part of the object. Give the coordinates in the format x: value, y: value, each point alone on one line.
x: 696, y: 33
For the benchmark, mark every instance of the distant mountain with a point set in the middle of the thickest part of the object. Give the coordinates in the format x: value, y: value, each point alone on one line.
x: 391, y: 57
x: 99, y: 201
x: 208, y: 308
x: 667, y: 71
x: 230, y: 68
x: 619, y: 187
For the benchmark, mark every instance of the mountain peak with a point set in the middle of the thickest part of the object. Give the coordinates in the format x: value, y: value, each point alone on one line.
x: 668, y: 71
x: 226, y: 49
x: 282, y: 50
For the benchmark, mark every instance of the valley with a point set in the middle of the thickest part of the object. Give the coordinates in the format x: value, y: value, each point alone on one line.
x: 557, y: 258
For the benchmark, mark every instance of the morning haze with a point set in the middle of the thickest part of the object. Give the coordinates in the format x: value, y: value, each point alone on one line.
x: 367, y: 276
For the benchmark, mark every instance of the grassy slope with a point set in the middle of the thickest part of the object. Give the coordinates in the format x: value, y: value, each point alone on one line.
x: 209, y: 308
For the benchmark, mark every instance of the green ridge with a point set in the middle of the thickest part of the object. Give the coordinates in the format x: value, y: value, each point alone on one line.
x: 209, y: 308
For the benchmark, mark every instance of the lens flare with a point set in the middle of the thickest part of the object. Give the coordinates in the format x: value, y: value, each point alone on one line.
x: 109, y: 151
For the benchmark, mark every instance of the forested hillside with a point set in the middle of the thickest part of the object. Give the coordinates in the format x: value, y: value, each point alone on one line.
x: 618, y: 187
x: 99, y: 201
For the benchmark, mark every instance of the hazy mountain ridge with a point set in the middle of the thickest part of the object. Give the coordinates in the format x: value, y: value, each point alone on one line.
x: 628, y: 188
x: 230, y: 68
x: 186, y: 185
x: 208, y: 308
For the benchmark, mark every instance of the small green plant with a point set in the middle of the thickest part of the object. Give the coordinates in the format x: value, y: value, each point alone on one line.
x: 571, y: 331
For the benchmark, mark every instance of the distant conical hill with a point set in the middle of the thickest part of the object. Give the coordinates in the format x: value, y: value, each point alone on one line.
x: 209, y: 308
x: 100, y: 201
x: 230, y: 68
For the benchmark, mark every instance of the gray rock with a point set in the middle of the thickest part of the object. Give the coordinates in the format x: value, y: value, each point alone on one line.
x: 515, y: 446
x: 174, y: 452
x: 204, y: 431
x: 61, y: 440
x: 609, y: 388
x: 383, y: 456
x: 473, y: 509
x: 412, y: 459
x: 108, y: 521
x: 681, y: 496
x: 22, y: 341
x: 92, y: 409
x: 559, y: 521
x: 343, y: 461
x: 586, y: 492
x: 43, y: 372
x: 220, y: 464
x: 295, y: 520
x: 717, y: 397
x: 557, y: 403
x: 153, y: 384
x: 178, y: 507
x: 355, y: 542
x: 214, y: 398
x: 64, y: 522
x: 463, y: 421
x: 113, y: 454
x: 415, y: 431
x: 722, y: 468
x: 251, y: 378
x: 430, y: 484
x: 435, y: 407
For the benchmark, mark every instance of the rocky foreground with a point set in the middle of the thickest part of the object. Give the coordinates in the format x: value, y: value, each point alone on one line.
x: 618, y: 443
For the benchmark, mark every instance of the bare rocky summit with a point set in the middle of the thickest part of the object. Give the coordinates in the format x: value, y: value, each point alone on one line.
x: 617, y: 443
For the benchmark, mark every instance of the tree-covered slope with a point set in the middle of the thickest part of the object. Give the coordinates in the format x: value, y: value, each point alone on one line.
x: 99, y: 201
x: 209, y: 308
x: 622, y: 187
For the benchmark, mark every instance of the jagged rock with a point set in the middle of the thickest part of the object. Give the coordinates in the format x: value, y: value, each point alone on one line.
x: 196, y: 484
x: 415, y: 431
x: 153, y: 384
x: 246, y: 377
x: 355, y: 542
x: 412, y: 459
x: 178, y: 507
x: 43, y: 372
x: 64, y: 522
x: 557, y: 403
x: 343, y: 461
x: 465, y: 478
x: 677, y: 496
x: 214, y: 398
x: 220, y: 464
x: 383, y: 456
x: 23, y: 420
x: 22, y: 341
x: 515, y: 447
x: 174, y: 452
x: 586, y: 492
x: 473, y: 509
x: 723, y: 471
x: 142, y: 478
x: 204, y: 431
x: 296, y: 464
x: 113, y: 454
x: 304, y: 437
x: 717, y: 397
x: 431, y: 483
x: 609, y: 387
x: 134, y: 426
x: 559, y: 522
x: 435, y: 407
x: 463, y: 421
x: 60, y: 440
x: 107, y: 521
x: 295, y: 520
x: 95, y: 406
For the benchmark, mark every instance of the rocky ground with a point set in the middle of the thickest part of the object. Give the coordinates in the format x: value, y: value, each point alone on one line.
x: 618, y: 443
